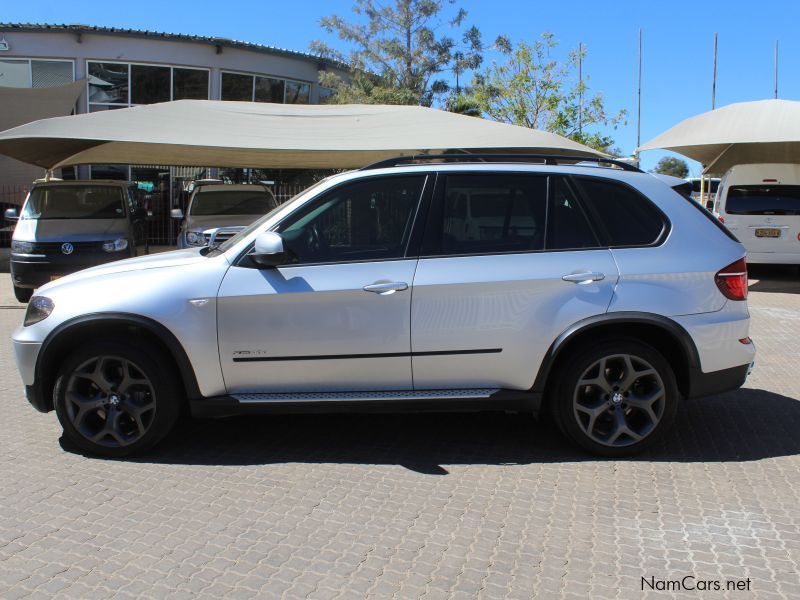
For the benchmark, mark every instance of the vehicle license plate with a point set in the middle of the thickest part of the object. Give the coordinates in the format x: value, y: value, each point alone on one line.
x: 768, y: 232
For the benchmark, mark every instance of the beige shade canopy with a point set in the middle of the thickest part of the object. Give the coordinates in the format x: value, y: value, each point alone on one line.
x: 249, y: 134
x: 764, y: 131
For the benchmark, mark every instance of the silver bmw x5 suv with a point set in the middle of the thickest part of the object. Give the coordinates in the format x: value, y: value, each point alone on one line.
x: 596, y: 294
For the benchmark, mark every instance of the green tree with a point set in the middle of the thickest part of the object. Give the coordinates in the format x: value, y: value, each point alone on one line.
x: 398, y: 54
x: 670, y: 165
x: 463, y: 104
x: 533, y: 89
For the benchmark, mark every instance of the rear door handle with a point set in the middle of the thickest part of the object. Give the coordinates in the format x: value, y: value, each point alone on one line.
x: 384, y: 288
x: 584, y: 277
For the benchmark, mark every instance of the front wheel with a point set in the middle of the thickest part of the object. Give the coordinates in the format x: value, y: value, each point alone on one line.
x: 115, y: 399
x: 616, y: 398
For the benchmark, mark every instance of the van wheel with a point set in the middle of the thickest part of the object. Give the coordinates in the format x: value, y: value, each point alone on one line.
x: 616, y: 398
x: 23, y: 294
x: 115, y: 399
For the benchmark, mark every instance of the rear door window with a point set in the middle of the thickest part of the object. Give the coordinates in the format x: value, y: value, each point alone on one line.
x: 489, y: 214
x: 567, y: 225
x: 763, y: 200
x: 625, y: 215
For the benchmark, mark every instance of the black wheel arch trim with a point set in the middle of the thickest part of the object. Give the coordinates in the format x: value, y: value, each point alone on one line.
x: 623, y: 318
x: 43, y: 380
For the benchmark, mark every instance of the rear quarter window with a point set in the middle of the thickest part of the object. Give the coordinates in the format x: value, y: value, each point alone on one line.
x: 627, y: 217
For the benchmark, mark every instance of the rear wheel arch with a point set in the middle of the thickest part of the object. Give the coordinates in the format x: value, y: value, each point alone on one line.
x: 75, y: 332
x: 659, y: 332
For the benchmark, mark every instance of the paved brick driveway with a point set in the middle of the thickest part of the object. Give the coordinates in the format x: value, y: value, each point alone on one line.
x: 415, y: 506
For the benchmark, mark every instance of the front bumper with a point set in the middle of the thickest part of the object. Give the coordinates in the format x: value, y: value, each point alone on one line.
x: 34, y: 272
x: 25, y: 354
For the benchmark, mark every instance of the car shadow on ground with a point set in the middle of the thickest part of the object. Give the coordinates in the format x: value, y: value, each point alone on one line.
x: 782, y: 279
x: 738, y: 426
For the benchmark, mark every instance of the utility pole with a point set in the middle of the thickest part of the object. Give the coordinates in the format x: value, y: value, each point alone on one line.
x: 639, y: 103
x: 580, y: 88
x: 714, y: 78
x: 776, y: 69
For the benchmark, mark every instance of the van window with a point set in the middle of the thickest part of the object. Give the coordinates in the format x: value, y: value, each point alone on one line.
x: 628, y: 218
x: 711, y: 186
x: 763, y: 200
x: 233, y: 202
x: 75, y: 202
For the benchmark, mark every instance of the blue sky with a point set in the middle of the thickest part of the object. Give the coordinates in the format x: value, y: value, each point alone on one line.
x: 678, y: 42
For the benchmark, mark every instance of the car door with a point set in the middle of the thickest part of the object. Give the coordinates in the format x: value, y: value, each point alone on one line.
x: 509, y: 261
x: 337, y: 317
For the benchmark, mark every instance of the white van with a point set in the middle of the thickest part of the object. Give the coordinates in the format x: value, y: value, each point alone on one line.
x: 760, y: 204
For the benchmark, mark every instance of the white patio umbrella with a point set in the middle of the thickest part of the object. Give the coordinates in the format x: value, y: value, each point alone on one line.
x: 747, y: 132
x: 250, y: 134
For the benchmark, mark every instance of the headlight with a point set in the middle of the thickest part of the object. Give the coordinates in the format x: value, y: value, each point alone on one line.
x: 39, y: 308
x: 195, y: 238
x: 116, y: 246
x: 21, y: 247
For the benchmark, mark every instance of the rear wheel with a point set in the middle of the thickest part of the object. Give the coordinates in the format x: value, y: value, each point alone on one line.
x: 23, y: 294
x: 616, y: 398
x: 116, y: 399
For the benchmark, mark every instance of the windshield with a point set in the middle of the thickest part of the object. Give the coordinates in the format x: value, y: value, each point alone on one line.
x: 232, y: 202
x: 75, y: 202
x: 763, y: 200
x: 230, y: 242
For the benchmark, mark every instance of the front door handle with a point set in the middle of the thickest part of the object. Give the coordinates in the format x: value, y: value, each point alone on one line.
x: 384, y: 288
x: 584, y: 277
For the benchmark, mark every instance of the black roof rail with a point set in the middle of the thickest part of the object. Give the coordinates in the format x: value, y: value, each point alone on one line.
x: 545, y: 159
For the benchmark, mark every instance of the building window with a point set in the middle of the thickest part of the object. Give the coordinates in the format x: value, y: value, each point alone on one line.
x: 108, y: 83
x: 150, y: 84
x: 256, y: 88
x: 28, y: 73
x: 269, y: 90
x: 51, y: 73
x: 189, y: 84
x: 119, y: 85
x: 297, y: 93
x: 237, y: 87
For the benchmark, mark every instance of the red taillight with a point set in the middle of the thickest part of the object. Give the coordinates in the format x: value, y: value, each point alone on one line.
x: 732, y: 280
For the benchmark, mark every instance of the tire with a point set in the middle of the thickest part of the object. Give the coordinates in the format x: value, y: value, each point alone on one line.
x: 23, y: 294
x: 114, y: 399
x: 615, y: 398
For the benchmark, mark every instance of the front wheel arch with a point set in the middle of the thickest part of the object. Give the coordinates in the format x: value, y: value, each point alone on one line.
x: 77, y: 331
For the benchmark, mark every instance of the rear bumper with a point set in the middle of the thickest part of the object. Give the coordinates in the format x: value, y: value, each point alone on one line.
x: 774, y: 258
x: 706, y: 384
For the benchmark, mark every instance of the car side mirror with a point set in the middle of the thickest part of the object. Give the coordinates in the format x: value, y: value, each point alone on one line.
x: 11, y: 215
x: 269, y: 250
x: 176, y: 213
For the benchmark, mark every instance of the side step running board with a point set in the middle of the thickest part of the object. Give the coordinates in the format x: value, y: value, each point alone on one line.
x: 461, y: 400
x: 475, y: 393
